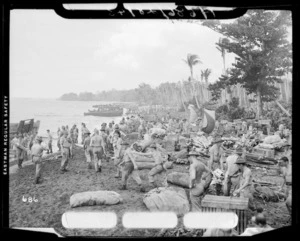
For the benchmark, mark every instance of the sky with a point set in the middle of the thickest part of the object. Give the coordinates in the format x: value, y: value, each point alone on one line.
x: 50, y: 55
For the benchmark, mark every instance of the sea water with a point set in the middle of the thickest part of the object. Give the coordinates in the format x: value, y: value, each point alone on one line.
x: 54, y: 113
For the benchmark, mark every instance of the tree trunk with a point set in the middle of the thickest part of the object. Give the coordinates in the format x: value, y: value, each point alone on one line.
x: 282, y: 108
x: 259, y: 103
x: 182, y: 102
x: 224, y: 62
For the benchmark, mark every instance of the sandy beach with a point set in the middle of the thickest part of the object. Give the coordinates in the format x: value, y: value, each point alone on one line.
x: 54, y: 193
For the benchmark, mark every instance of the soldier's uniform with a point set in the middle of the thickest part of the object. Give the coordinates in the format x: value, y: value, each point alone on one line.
x: 88, y: 150
x: 128, y: 169
x: 97, y: 144
x: 158, y: 168
x: 37, y: 152
x: 202, y: 177
x: 66, y: 145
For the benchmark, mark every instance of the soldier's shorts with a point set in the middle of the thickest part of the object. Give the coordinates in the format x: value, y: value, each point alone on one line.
x: 98, y: 152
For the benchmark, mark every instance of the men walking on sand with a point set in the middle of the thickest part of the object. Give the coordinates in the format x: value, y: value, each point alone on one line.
x: 37, y: 152
x: 98, y: 145
x: 66, y: 149
x: 88, y: 149
x: 75, y: 134
x: 83, y: 131
x: 105, y: 139
x: 200, y: 179
x: 49, y: 138
x: 117, y: 145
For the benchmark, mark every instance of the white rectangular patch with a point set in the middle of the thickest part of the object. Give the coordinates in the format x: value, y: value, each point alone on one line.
x: 89, y: 220
x: 149, y: 220
x: 204, y: 220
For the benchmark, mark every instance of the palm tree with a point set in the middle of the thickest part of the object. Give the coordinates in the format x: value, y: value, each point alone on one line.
x: 205, y: 75
x: 193, y: 59
x: 222, y: 50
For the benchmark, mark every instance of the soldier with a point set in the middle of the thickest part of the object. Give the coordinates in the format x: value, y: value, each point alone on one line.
x: 286, y: 172
x: 104, y: 136
x: 66, y: 149
x: 231, y: 173
x: 200, y: 179
x: 245, y: 180
x: 159, y: 167
x: 14, y: 144
x: 216, y: 152
x: 88, y: 149
x: 117, y: 145
x: 20, y: 150
x: 130, y: 168
x: 98, y: 145
x: 49, y: 141
x: 76, y: 133
x: 83, y: 131
x: 37, y: 152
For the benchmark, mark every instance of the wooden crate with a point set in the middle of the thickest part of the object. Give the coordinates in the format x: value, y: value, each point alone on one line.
x: 237, y: 121
x: 264, y: 122
x: 264, y: 152
x: 212, y: 203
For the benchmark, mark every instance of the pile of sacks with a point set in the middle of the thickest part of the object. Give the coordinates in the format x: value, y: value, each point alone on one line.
x: 273, y: 142
x: 201, y: 143
x: 164, y: 199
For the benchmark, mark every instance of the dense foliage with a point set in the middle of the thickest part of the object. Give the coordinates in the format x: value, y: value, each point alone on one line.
x: 258, y: 39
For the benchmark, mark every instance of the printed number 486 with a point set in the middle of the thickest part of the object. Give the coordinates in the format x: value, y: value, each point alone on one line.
x: 29, y: 199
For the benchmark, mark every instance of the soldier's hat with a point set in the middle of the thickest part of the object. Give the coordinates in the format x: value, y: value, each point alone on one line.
x: 193, y: 153
x: 240, y: 160
x: 153, y: 145
x: 217, y: 139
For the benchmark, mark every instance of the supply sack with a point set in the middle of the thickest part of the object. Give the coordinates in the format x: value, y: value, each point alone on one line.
x: 145, y: 165
x: 181, y: 154
x: 272, y: 139
x: 95, y: 198
x: 167, y: 199
x: 266, y: 193
x: 179, y: 179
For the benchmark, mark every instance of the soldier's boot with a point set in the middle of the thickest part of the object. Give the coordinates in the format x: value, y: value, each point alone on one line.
x: 123, y: 187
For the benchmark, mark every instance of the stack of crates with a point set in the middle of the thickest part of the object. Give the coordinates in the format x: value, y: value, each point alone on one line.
x: 212, y: 203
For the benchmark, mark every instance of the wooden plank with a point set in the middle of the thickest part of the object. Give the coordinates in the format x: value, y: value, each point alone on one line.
x: 225, y: 202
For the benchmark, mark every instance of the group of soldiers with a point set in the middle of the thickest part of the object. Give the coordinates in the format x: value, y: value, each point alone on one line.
x: 110, y: 140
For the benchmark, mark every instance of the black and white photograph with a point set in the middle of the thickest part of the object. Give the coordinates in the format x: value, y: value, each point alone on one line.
x: 150, y: 127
